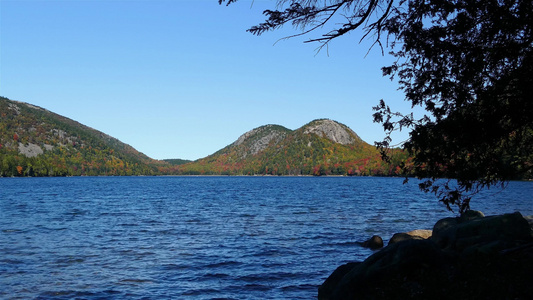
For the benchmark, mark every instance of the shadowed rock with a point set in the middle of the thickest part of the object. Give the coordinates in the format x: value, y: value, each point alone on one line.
x: 365, y: 280
x: 469, y: 257
x: 374, y: 243
x: 495, y: 232
x: 328, y: 287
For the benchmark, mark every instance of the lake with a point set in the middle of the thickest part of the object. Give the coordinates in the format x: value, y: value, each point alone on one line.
x: 204, y: 237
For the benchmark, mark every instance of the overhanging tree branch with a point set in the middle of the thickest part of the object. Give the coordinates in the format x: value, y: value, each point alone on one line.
x: 310, y: 17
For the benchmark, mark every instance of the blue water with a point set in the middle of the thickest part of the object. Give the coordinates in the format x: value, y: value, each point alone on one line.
x: 203, y: 237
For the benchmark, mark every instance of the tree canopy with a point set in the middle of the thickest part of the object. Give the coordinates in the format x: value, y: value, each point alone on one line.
x: 467, y: 63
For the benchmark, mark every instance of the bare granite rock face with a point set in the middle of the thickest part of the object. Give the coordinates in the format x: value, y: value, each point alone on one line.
x: 14, y: 107
x: 258, y: 139
x: 333, y: 131
x: 30, y: 150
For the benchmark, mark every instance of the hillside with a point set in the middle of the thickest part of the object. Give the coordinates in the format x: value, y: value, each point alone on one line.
x: 37, y: 142
x: 177, y: 161
x: 321, y: 147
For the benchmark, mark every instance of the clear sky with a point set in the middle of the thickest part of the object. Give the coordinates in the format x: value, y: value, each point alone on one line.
x: 183, y: 79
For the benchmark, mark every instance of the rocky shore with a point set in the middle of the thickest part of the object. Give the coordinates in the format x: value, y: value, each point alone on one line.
x: 468, y: 257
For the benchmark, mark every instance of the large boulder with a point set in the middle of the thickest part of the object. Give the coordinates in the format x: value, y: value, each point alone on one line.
x: 491, y: 233
x: 469, y: 257
x: 370, y: 278
x: 418, y: 234
x: 441, y: 228
x: 328, y: 287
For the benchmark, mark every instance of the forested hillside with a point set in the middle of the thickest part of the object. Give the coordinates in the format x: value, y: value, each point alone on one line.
x: 177, y: 161
x: 322, y: 147
x: 37, y: 142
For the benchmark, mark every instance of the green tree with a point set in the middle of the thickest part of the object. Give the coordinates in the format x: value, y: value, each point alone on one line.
x: 468, y: 63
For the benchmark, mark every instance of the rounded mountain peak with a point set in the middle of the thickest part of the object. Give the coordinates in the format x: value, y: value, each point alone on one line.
x: 258, y: 139
x: 332, y: 130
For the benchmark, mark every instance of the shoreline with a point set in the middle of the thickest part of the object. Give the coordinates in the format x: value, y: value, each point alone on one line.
x: 490, y: 255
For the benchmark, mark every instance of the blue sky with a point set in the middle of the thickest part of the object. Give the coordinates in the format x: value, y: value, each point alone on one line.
x: 183, y: 79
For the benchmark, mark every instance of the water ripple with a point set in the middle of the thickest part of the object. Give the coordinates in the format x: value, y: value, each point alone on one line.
x: 201, y: 237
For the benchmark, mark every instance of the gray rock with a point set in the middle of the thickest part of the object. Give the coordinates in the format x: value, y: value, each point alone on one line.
x: 374, y: 243
x: 471, y: 215
x: 402, y: 236
x: 30, y: 150
x: 333, y: 131
x: 418, y: 234
x: 259, y: 139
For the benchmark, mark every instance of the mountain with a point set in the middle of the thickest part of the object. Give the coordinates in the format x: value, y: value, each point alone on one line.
x: 38, y: 142
x: 177, y: 161
x: 321, y: 147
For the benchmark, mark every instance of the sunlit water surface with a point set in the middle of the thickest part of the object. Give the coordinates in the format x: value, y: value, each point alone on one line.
x: 203, y: 237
